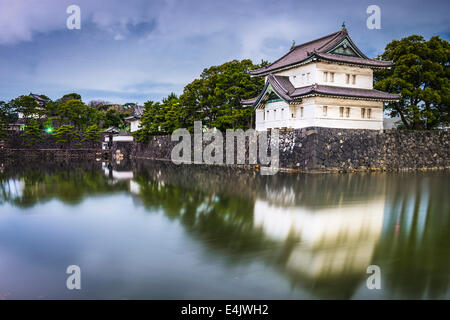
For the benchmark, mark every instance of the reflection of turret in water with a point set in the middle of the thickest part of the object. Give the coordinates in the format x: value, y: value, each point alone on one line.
x: 327, y: 248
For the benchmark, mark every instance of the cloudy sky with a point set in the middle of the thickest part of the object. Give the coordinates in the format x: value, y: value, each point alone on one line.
x: 136, y: 50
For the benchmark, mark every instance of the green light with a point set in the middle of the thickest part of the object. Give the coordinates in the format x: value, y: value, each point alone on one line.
x: 49, y: 130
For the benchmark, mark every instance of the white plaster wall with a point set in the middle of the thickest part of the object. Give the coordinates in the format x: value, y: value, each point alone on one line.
x: 313, y: 114
x: 123, y: 138
x: 277, y: 115
x: 333, y: 119
x: 134, y: 125
x: 296, y: 75
x: 364, y: 76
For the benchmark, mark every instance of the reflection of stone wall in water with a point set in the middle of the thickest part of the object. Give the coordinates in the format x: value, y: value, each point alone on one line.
x: 281, y: 189
x: 328, y: 149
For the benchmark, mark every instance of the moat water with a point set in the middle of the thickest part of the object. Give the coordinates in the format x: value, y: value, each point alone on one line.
x: 153, y: 230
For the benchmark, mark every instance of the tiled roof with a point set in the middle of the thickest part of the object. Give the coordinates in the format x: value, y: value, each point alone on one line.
x: 249, y: 102
x: 345, y: 92
x: 319, y: 49
x: 138, y: 111
x: 286, y: 90
x: 355, y: 60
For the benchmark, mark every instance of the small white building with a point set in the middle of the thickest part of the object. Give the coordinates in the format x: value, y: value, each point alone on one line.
x: 135, y: 119
x: 327, y: 82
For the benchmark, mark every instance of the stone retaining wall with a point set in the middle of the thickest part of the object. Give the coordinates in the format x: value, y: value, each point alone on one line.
x: 329, y: 149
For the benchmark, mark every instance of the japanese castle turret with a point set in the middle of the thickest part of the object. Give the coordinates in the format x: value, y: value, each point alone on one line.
x: 326, y: 82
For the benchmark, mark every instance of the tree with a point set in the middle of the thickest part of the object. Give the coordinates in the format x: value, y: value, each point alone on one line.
x: 7, y: 113
x: 92, y: 134
x: 113, y: 118
x: 51, y: 108
x: 69, y: 96
x: 215, y: 97
x: 32, y: 133
x: 2, y: 130
x: 48, y: 126
x: 421, y: 74
x: 171, y: 109
x: 67, y: 134
x: 160, y: 118
x: 76, y: 113
x: 28, y: 106
x: 150, y: 121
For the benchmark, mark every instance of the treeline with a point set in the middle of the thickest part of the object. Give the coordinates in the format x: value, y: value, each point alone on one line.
x: 421, y: 73
x: 68, y: 118
x: 214, y: 98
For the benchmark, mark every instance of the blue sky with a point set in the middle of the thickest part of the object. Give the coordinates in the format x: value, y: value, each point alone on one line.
x: 139, y: 50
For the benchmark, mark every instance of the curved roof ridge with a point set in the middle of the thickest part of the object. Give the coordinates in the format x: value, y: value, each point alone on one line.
x: 338, y: 34
x: 318, y: 39
x: 279, y: 84
x: 333, y: 35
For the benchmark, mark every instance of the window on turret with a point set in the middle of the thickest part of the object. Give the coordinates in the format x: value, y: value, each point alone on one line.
x: 347, y: 112
x: 308, y: 76
x: 369, y: 113
x: 325, y: 110
x: 325, y: 76
x: 341, y: 112
x: 268, y: 115
x: 353, y: 79
x: 347, y: 78
x: 363, y: 112
x: 274, y: 114
x: 301, y: 112
x: 331, y: 76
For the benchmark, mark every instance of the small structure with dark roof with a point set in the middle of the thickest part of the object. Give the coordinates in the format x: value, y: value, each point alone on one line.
x: 327, y: 82
x: 135, y: 119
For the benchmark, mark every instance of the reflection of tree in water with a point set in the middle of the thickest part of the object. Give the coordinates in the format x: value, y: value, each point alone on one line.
x: 69, y: 182
x: 221, y: 221
x: 217, y: 205
x: 415, y: 246
x: 220, y: 206
x: 214, y: 203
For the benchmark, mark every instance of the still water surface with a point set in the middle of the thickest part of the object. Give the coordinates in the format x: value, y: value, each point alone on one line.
x: 159, y: 231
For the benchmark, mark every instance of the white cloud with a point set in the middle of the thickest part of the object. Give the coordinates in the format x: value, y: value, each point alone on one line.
x: 166, y: 44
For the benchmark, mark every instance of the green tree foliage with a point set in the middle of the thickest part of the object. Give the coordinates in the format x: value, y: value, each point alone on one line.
x: 7, y: 113
x: 48, y: 126
x: 32, y: 133
x: 215, y: 97
x: 51, y: 108
x: 114, y: 118
x: 76, y: 113
x: 28, y: 106
x: 422, y: 75
x: 160, y: 118
x: 92, y: 134
x: 67, y: 134
x: 171, y: 109
x: 150, y: 121
x: 3, y: 126
x: 69, y: 96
